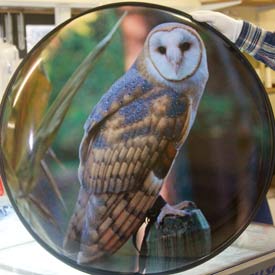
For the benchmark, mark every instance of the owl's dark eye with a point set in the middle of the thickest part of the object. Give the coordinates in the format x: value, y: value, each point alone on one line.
x: 185, y: 46
x: 162, y: 50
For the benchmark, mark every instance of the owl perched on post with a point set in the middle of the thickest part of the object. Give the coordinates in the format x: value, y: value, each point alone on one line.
x: 132, y: 137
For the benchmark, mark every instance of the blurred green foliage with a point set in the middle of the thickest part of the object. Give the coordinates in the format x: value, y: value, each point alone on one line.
x: 79, y: 41
x: 214, y: 110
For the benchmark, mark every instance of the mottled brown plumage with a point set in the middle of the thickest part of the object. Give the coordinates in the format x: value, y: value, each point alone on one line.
x: 131, y: 139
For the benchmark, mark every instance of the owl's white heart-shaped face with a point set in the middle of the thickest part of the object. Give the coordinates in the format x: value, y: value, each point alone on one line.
x: 176, y: 53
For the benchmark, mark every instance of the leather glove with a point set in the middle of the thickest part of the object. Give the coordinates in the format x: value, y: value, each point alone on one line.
x: 228, y: 26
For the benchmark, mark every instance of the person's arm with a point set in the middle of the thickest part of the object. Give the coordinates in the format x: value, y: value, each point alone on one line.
x: 258, y: 43
x: 246, y: 36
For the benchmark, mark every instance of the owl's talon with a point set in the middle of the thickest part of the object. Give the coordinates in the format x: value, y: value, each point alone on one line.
x: 173, y: 211
x: 185, y: 204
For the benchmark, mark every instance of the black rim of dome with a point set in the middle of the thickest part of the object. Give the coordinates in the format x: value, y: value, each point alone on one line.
x: 269, y: 114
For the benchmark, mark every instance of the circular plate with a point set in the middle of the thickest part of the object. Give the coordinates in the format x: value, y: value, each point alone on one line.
x: 189, y: 121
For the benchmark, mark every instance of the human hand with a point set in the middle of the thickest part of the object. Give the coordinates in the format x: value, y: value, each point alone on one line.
x: 228, y: 26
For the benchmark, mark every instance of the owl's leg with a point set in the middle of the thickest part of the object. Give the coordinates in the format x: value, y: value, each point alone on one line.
x: 182, y: 209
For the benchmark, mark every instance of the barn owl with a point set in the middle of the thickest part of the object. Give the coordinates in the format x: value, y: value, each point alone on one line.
x: 131, y: 139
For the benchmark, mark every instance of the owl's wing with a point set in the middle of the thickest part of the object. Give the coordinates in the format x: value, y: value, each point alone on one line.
x: 126, y: 157
x: 124, y: 147
x: 126, y: 89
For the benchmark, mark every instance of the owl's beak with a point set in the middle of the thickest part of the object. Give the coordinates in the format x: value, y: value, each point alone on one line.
x: 177, y: 67
x: 175, y: 59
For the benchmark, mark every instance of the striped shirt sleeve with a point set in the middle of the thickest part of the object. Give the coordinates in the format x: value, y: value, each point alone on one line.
x: 258, y: 43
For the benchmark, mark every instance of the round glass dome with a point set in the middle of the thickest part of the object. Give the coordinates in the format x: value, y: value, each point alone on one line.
x: 135, y: 140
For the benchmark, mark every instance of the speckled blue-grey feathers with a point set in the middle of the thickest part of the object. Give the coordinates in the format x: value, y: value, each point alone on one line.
x: 124, y: 90
x: 131, y: 139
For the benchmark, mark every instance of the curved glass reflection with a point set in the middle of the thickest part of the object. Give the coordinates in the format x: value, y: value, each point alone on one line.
x: 214, y: 172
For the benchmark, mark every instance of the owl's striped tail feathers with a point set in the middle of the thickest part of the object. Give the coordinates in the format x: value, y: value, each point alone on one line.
x: 125, y: 215
x: 111, y: 219
x: 72, y: 238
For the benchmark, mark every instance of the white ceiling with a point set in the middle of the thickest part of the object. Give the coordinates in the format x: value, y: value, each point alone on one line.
x: 48, y: 3
x: 180, y: 4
